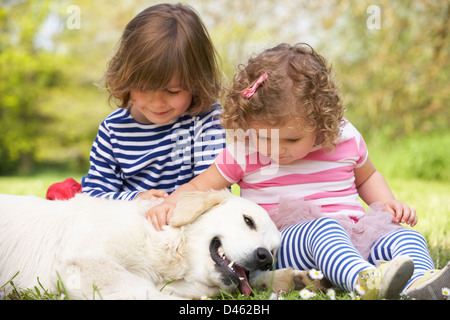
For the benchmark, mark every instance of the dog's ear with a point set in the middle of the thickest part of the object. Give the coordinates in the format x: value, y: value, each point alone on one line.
x: 192, y: 204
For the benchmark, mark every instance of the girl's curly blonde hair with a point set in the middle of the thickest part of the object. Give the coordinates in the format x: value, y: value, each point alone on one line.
x: 299, y: 87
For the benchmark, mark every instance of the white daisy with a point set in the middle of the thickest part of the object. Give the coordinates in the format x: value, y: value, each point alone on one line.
x: 273, y: 296
x: 354, y: 296
x: 305, y: 294
x: 331, y: 294
x: 360, y: 290
x: 315, y: 274
x: 446, y: 292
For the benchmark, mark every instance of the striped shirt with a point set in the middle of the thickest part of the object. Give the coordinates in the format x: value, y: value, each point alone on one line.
x: 129, y: 157
x: 322, y: 178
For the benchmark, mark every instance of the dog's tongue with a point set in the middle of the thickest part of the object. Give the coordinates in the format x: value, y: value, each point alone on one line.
x: 244, y: 287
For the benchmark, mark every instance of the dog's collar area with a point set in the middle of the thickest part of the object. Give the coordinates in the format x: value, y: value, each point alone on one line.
x: 233, y: 274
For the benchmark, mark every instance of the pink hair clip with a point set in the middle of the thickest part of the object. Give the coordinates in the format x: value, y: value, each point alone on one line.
x: 249, y: 92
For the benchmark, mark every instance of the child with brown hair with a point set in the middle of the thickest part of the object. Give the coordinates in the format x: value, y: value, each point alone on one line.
x: 300, y: 159
x: 166, y: 82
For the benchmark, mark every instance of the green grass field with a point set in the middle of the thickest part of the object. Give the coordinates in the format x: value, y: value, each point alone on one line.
x: 430, y: 199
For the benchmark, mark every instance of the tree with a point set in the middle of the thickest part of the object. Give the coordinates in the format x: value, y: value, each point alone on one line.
x: 390, y: 56
x: 27, y: 75
x: 395, y: 77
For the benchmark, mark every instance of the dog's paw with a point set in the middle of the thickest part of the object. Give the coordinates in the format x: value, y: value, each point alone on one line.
x: 303, y: 279
x: 289, y: 279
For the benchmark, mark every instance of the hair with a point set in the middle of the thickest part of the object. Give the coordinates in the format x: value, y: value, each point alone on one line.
x: 163, y: 41
x: 299, y: 87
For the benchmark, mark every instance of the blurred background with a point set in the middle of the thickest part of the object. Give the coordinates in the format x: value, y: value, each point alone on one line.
x: 391, y: 58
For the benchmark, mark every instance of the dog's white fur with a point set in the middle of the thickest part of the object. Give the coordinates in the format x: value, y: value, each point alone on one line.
x: 108, y: 245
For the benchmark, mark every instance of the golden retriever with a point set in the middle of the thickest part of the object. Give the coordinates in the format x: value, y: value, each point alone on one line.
x: 106, y: 248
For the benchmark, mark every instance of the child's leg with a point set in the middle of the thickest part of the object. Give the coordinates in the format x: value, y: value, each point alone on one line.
x: 322, y: 244
x: 404, y: 242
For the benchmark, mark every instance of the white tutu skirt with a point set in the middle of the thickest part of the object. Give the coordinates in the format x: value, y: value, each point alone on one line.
x: 370, y: 228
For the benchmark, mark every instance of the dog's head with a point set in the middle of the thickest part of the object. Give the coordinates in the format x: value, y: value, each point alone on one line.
x: 230, y: 241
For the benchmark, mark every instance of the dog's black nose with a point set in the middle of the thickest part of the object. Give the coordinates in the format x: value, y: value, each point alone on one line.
x: 264, y: 259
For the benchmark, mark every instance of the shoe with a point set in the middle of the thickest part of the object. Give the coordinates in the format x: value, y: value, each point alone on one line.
x: 430, y: 285
x: 387, y: 281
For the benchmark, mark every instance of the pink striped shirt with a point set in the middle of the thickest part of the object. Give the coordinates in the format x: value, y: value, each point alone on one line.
x: 323, y: 178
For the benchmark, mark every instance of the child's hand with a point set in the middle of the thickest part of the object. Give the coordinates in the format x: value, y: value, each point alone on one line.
x: 152, y: 194
x: 160, y: 215
x: 402, y: 212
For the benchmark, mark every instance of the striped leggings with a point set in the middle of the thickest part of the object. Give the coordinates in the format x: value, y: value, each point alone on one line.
x: 324, y: 245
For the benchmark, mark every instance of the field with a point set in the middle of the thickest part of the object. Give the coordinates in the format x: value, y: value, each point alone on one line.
x: 430, y: 199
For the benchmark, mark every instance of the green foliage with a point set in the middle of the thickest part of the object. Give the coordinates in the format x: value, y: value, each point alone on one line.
x: 394, y: 79
x: 27, y: 76
x: 29, y: 79
x: 45, y: 99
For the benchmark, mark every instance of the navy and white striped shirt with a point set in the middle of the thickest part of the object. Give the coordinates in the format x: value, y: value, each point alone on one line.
x: 129, y: 157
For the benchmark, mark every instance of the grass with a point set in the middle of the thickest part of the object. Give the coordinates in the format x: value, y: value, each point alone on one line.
x: 36, y: 293
x: 432, y: 203
x: 430, y: 199
x: 36, y: 183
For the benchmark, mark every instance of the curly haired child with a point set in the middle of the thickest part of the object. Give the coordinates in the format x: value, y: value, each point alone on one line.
x: 166, y: 82
x: 300, y: 159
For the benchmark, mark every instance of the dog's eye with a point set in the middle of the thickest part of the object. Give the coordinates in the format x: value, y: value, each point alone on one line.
x: 249, y: 222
